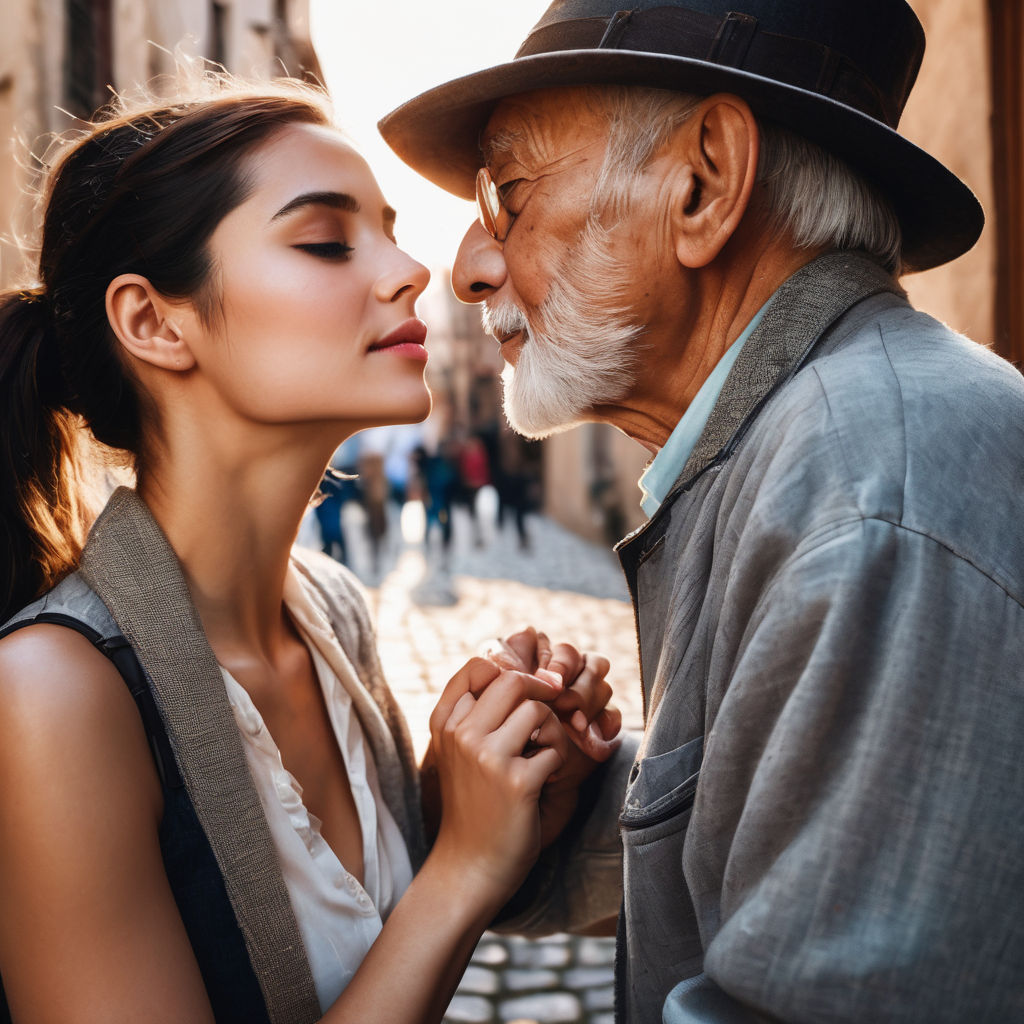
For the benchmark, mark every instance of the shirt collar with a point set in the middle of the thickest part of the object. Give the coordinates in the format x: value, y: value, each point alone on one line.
x: 664, y: 469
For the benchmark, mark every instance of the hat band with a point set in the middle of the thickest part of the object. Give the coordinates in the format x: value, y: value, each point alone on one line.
x: 735, y: 41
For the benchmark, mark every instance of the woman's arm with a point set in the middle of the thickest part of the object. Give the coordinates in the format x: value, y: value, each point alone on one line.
x: 489, y: 838
x: 90, y: 933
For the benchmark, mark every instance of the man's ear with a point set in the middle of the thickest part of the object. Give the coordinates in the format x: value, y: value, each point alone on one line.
x: 717, y: 148
x: 147, y: 324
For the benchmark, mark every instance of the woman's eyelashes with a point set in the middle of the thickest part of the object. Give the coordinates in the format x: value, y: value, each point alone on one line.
x: 327, y: 250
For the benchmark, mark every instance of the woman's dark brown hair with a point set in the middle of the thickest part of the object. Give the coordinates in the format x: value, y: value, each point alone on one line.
x: 140, y: 192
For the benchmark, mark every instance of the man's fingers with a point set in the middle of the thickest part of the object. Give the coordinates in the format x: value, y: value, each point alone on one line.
x: 594, y: 745
x: 589, y: 694
x: 502, y: 654
x: 609, y: 722
x: 523, y: 645
x: 567, y: 661
x: 544, y: 651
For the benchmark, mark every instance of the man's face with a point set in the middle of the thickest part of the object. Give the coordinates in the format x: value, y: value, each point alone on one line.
x: 567, y: 293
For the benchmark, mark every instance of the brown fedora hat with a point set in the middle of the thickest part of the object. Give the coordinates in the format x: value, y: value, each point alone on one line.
x: 837, y: 72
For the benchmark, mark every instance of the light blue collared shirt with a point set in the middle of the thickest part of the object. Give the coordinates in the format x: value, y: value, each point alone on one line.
x: 664, y: 470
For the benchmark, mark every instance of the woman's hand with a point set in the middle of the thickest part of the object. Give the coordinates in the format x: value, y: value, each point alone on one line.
x: 582, y: 706
x: 495, y: 741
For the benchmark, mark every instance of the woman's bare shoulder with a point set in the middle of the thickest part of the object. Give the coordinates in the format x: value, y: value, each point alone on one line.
x: 82, y: 880
x: 62, y: 702
x: 51, y: 670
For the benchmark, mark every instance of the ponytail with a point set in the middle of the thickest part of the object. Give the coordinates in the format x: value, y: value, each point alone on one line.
x: 41, y: 522
x: 140, y: 191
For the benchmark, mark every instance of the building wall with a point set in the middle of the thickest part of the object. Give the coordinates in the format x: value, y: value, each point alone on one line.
x: 263, y: 38
x: 949, y: 114
x: 31, y: 81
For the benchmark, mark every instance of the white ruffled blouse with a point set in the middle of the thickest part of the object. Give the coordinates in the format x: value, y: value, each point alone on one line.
x: 338, y: 918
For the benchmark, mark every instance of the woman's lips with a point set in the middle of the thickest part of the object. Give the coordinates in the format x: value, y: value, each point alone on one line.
x: 406, y: 339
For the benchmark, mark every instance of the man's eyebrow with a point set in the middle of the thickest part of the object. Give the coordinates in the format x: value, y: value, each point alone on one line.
x: 335, y: 200
x: 501, y: 144
x: 389, y: 214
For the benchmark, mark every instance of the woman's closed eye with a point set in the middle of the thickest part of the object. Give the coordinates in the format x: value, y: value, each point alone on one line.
x: 326, y: 250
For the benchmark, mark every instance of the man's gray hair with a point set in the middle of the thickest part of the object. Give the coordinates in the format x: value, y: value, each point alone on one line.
x: 813, y: 196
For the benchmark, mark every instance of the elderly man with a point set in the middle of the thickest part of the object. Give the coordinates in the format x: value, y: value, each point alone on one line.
x: 693, y: 214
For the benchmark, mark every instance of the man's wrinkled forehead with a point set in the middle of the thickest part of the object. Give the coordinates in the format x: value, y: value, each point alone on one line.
x: 540, y: 129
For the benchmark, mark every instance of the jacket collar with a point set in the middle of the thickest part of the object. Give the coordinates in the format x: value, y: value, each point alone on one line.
x: 803, y: 310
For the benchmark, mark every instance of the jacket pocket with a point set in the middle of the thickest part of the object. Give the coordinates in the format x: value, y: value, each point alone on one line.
x: 662, y: 786
x: 662, y: 938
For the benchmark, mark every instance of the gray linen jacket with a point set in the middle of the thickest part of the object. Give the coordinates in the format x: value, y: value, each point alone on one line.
x: 825, y: 820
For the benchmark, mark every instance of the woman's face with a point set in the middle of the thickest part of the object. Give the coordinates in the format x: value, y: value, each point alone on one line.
x: 316, y: 319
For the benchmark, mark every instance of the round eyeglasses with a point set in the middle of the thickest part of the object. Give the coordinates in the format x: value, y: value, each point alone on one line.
x: 497, y: 221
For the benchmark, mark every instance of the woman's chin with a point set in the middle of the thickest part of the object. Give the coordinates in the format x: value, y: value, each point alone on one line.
x: 415, y: 410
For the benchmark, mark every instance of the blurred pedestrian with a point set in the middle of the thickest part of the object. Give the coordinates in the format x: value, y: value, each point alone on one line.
x: 473, y: 474
x: 374, y: 495
x: 516, y: 484
x: 334, y: 489
x: 438, y: 475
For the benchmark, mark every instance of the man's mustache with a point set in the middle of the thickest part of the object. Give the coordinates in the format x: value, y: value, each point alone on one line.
x: 504, y: 320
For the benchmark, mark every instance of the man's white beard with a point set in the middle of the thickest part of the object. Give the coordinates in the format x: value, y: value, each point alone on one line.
x: 580, y: 349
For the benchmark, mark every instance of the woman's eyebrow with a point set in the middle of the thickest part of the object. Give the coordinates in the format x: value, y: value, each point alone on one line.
x: 335, y: 200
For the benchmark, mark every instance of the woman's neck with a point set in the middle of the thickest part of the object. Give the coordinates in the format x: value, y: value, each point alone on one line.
x: 231, y: 512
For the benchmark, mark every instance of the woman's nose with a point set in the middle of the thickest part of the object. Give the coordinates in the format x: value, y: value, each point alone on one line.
x: 479, y: 269
x: 409, y: 278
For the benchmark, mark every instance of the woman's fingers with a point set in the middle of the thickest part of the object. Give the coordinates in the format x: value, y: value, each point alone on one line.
x: 505, y: 693
x: 532, y: 722
x: 523, y: 752
x: 464, y: 707
x: 473, y: 677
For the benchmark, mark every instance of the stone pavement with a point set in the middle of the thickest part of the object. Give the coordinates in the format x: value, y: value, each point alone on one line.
x: 430, y: 618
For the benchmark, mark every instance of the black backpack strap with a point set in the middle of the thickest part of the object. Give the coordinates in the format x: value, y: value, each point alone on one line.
x: 119, y: 651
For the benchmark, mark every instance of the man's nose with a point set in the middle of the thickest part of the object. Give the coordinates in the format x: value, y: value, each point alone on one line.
x: 479, y: 269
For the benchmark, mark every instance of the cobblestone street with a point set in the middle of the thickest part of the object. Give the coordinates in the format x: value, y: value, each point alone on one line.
x: 430, y: 619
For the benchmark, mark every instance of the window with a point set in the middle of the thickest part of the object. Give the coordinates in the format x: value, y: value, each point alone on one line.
x: 219, y: 16
x: 88, y: 68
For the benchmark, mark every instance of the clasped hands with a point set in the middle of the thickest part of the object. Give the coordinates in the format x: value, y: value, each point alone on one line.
x: 513, y: 736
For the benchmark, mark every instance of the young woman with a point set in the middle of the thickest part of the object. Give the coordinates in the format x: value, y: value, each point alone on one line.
x: 232, y: 836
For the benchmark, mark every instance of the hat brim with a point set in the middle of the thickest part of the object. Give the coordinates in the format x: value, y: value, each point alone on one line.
x: 438, y: 134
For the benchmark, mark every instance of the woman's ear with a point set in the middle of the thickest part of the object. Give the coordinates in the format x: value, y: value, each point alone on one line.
x: 717, y: 148
x: 147, y: 324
